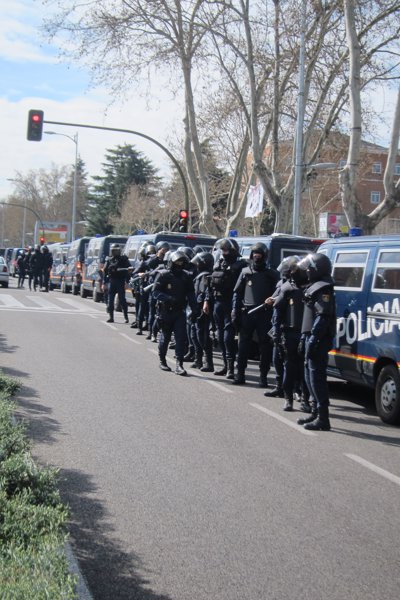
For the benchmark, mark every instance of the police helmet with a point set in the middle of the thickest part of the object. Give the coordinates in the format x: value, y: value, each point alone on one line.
x: 150, y: 249
x: 229, y: 245
x: 288, y: 265
x: 177, y: 257
x: 115, y: 249
x: 259, y: 248
x: 186, y: 250
x: 316, y: 265
x: 142, y: 252
x: 198, y: 249
x: 204, y: 261
x: 45, y: 248
x: 162, y: 246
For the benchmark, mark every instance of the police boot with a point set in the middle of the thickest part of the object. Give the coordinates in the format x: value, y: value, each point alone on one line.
x: 305, y: 406
x: 208, y: 366
x: 239, y: 378
x: 163, y: 365
x: 110, y: 318
x: 189, y: 356
x: 313, y: 415
x: 231, y: 370
x: 198, y: 361
x: 321, y: 423
x: 276, y: 392
x: 263, y: 382
x: 126, y: 317
x: 222, y: 371
x: 179, y: 370
x: 288, y: 406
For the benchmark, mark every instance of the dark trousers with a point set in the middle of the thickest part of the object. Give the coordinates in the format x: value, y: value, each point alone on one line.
x: 293, y: 374
x: 201, y: 336
x: 117, y: 287
x: 260, y: 323
x: 315, y: 374
x: 225, y: 329
x: 172, y: 322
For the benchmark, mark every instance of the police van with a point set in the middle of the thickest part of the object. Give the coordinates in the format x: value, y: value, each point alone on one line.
x: 97, y: 251
x: 75, y: 260
x: 366, y: 271
x: 59, y: 252
x: 280, y: 245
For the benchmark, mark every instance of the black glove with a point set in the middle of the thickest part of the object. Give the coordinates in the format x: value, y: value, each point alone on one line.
x: 311, y: 348
x: 301, y: 348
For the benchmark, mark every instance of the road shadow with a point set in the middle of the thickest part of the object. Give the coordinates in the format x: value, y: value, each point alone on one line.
x: 110, y: 572
x: 5, y: 346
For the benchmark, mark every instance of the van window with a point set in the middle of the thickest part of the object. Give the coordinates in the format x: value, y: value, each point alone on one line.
x: 349, y: 269
x: 387, y: 271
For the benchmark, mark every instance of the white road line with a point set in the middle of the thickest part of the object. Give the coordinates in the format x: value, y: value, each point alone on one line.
x: 126, y: 336
x: 44, y: 303
x: 109, y: 325
x: 10, y: 301
x: 274, y: 415
x: 79, y: 306
x: 374, y: 468
x: 219, y: 386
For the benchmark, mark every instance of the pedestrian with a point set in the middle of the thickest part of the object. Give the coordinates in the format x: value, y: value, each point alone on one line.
x: 313, y: 274
x: 29, y: 266
x: 173, y: 290
x: 116, y: 271
x: 37, y: 268
x: 220, y: 294
x: 21, y: 264
x: 255, y: 284
x: 47, y: 263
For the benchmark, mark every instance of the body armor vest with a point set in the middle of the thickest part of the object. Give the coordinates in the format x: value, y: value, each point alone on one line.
x: 259, y: 285
x: 310, y: 312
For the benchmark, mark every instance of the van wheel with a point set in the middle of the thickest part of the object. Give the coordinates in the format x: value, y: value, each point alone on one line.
x: 96, y: 295
x: 387, y: 395
x: 83, y: 292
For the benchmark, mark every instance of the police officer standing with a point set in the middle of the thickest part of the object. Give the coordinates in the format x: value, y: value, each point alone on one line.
x: 287, y: 322
x: 154, y: 264
x: 223, y: 280
x: 173, y: 289
x: 116, y: 272
x: 256, y: 283
x: 313, y: 273
x: 46, y: 266
x: 200, y: 328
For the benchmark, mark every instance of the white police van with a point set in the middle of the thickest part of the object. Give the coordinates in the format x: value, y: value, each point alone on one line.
x: 366, y: 271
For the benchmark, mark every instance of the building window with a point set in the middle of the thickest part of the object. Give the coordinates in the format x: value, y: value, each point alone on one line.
x: 397, y: 169
x: 377, y: 168
x: 375, y: 197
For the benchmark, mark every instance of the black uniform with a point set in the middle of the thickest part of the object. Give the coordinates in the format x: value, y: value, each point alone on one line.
x: 201, y: 325
x: 255, y: 284
x: 287, y: 323
x: 47, y: 265
x: 173, y: 289
x: 116, y: 272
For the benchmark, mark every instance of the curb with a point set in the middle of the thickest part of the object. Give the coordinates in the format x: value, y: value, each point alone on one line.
x: 82, y: 589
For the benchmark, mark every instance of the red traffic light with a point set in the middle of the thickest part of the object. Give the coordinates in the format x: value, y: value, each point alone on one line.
x: 183, y: 221
x: 35, y: 125
x: 183, y: 214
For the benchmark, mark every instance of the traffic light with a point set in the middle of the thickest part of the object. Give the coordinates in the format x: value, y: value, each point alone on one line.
x: 35, y: 125
x: 183, y: 221
x: 42, y: 241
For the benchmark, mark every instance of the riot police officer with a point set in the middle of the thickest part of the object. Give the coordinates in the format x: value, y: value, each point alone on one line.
x: 47, y: 263
x: 173, y: 289
x: 154, y: 264
x: 116, y: 272
x: 318, y: 329
x: 287, y: 321
x: 200, y: 326
x: 255, y: 284
x: 223, y: 280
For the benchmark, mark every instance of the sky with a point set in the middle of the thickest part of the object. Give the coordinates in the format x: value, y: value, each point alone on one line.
x: 32, y: 77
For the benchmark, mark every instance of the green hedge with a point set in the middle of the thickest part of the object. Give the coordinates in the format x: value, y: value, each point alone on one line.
x: 33, y: 520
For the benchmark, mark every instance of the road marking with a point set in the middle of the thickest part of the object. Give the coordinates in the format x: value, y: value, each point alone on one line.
x: 274, y: 415
x: 126, y: 336
x: 219, y: 386
x: 10, y: 301
x: 109, y: 325
x: 43, y: 303
x: 374, y: 468
x: 79, y: 306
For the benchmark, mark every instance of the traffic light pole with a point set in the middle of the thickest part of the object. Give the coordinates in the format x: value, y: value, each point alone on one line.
x: 143, y: 135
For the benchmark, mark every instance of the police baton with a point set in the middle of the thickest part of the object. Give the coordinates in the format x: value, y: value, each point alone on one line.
x: 257, y: 308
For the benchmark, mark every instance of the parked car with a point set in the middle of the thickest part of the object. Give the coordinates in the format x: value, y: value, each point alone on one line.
x: 97, y: 251
x: 4, y: 274
x: 59, y: 251
x: 367, y: 344
x: 74, y: 264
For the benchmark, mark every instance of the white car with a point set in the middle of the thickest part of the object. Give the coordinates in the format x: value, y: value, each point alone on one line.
x: 4, y: 274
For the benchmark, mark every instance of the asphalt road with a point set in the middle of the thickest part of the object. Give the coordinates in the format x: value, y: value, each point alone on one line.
x: 194, y: 489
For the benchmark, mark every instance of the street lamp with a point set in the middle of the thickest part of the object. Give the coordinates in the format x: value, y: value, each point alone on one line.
x: 74, y: 192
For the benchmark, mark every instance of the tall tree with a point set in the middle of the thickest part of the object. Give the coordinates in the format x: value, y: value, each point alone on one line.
x: 124, y: 168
